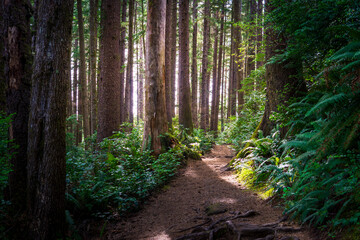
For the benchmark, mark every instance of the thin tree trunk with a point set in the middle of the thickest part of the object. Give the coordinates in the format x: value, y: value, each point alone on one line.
x: 252, y: 40
x: 18, y: 69
x: 185, y: 118
x: 47, y: 148
x: 84, y: 107
x: 213, y: 127
x: 204, y: 111
x: 129, y: 116
x: 194, y: 78
x: 109, y: 82
x: 173, y: 54
x: 155, y: 107
x: 141, y: 84
x: 77, y: 99
x: 238, y: 75
x: 219, y: 66
x: 122, y: 62
x: 168, y: 69
x: 93, y: 49
x: 2, y: 60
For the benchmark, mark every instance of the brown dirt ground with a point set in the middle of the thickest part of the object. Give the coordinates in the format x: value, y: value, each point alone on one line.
x: 182, y: 203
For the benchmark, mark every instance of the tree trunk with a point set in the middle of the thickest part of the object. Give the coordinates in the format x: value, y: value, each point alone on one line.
x: 2, y: 60
x: 238, y: 75
x: 155, y: 107
x: 185, y: 118
x: 93, y: 49
x: 168, y: 69
x: 122, y: 63
x: 194, y: 78
x: 282, y: 78
x: 259, y: 37
x: 141, y: 84
x: 77, y: 98
x: 204, y: 111
x: 129, y: 116
x: 219, y: 66
x: 18, y: 68
x: 84, y: 107
x: 109, y: 82
x: 251, y: 41
x: 47, y: 148
x: 213, y: 127
x: 173, y: 54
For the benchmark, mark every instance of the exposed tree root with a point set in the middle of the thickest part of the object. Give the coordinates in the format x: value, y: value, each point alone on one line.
x: 224, y: 228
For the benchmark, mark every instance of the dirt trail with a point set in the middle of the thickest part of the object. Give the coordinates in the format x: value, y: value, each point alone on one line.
x: 182, y: 204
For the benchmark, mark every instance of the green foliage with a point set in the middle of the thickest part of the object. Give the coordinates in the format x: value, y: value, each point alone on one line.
x: 5, y: 167
x: 239, y: 129
x: 118, y: 174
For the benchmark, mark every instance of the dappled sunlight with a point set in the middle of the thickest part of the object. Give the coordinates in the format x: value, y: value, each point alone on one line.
x: 161, y: 236
x: 226, y: 200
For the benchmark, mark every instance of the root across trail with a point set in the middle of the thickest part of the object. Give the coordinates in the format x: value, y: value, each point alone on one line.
x: 206, y: 202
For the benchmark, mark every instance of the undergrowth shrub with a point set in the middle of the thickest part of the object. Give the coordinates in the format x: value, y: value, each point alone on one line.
x: 240, y: 128
x: 118, y: 175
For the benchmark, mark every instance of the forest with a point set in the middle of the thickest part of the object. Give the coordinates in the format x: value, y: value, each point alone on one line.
x: 116, y: 113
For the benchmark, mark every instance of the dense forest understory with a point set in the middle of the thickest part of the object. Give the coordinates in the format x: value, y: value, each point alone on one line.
x: 103, y: 102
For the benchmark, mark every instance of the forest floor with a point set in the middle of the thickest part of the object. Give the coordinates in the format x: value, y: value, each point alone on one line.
x: 203, y: 193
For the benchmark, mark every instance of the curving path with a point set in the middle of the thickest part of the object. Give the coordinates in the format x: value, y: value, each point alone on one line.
x: 182, y: 203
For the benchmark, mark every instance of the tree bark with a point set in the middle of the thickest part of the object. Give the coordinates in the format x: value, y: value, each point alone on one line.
x: 47, y: 148
x: 77, y: 99
x: 93, y: 49
x: 2, y: 60
x: 129, y: 117
x: 194, y: 78
x: 155, y: 107
x: 168, y: 69
x: 84, y: 107
x: 259, y: 37
x: 185, y: 118
x: 141, y: 84
x: 282, y: 78
x: 218, y: 82
x: 204, y: 111
x: 173, y: 54
x: 18, y: 69
x: 122, y: 63
x: 238, y: 75
x: 251, y: 40
x: 213, y: 127
x: 109, y: 82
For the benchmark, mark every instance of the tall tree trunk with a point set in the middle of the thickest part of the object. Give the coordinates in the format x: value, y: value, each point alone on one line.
x: 18, y: 69
x: 238, y: 75
x: 194, y: 78
x: 155, y: 107
x: 223, y: 87
x: 213, y: 127
x: 204, y: 111
x: 251, y: 40
x: 47, y: 148
x: 168, y: 69
x: 219, y: 66
x: 185, y: 118
x: 109, y: 82
x: 141, y: 84
x: 282, y: 78
x: 259, y: 37
x: 77, y: 99
x: 84, y: 107
x: 93, y: 49
x: 2, y: 60
x: 129, y: 117
x: 173, y: 54
x: 122, y: 63
x: 231, y: 90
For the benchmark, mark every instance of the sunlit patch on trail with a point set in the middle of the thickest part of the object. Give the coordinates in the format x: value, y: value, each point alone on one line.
x: 226, y: 200
x: 161, y: 236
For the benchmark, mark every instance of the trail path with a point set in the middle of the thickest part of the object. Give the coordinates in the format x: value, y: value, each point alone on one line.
x: 182, y: 204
